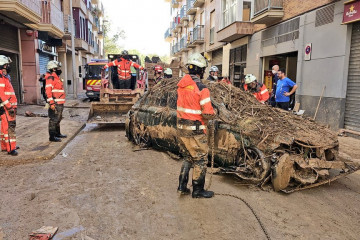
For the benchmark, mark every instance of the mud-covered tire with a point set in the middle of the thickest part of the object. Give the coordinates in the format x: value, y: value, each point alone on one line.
x: 261, y: 167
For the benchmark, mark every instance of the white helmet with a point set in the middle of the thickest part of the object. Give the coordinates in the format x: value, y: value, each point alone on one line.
x: 168, y: 71
x: 214, y: 69
x: 53, y: 64
x: 198, y: 60
x: 4, y: 60
x: 249, y: 78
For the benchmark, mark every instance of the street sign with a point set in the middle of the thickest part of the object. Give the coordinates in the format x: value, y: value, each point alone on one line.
x: 308, y: 50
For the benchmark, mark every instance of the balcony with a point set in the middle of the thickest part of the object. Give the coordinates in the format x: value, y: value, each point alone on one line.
x: 191, y: 10
x: 168, y: 36
x: 191, y: 40
x: 183, y: 44
x: 23, y: 11
x: 183, y: 15
x: 212, y: 35
x: 268, y: 11
x: 96, y: 24
x: 100, y: 32
x: 235, y: 31
x: 174, y: 4
x: 90, y: 17
x: 175, y: 49
x: 80, y: 44
x: 52, y: 20
x: 80, y: 4
x: 198, y: 35
x: 199, y: 3
x: 90, y: 50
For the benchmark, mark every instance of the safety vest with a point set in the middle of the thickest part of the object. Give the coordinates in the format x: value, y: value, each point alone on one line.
x: 124, y: 68
x: 7, y: 93
x: 261, y: 93
x: 54, y: 89
x: 193, y: 102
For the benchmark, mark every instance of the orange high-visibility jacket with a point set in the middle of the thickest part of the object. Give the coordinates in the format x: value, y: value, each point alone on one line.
x: 193, y: 100
x: 261, y: 93
x: 54, y: 89
x: 124, y: 68
x: 7, y: 93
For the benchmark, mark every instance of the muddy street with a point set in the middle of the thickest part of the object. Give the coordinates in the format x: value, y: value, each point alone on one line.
x: 99, y: 188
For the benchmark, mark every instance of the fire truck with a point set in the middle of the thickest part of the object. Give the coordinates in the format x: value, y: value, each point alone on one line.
x: 92, y: 78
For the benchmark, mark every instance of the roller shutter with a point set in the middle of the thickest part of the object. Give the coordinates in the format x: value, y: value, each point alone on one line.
x: 9, y: 38
x: 352, y: 107
x: 43, y: 60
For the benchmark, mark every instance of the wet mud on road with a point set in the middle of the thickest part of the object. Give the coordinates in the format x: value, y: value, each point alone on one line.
x: 99, y: 188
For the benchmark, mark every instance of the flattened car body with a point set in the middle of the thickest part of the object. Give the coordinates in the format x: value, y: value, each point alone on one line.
x: 253, y: 141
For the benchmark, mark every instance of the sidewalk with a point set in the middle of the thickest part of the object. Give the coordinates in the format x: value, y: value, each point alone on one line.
x: 32, y: 132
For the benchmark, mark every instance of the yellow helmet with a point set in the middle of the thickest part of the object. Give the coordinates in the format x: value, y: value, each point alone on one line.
x: 53, y: 64
x: 198, y: 60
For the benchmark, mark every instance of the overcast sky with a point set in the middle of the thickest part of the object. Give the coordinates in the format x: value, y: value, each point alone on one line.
x: 144, y: 23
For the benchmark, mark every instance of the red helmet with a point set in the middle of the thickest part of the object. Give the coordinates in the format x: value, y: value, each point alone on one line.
x: 158, y: 69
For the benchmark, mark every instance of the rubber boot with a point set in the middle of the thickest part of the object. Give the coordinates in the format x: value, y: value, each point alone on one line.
x: 13, y: 153
x: 198, y: 188
x: 58, y: 134
x: 184, y: 178
x: 54, y: 139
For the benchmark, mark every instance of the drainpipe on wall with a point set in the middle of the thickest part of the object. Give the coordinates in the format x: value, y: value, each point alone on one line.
x: 73, y: 50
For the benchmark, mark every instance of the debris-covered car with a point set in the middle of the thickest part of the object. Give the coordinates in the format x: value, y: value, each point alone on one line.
x: 253, y: 141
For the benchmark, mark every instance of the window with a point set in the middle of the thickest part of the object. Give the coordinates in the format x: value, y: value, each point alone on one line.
x: 212, y: 27
x: 229, y: 8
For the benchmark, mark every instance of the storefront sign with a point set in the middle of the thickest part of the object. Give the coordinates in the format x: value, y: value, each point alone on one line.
x: 308, y: 50
x: 351, y: 12
x: 43, y: 47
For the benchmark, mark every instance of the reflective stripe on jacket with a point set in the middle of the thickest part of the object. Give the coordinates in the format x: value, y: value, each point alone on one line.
x: 124, y: 67
x: 261, y: 93
x: 7, y: 93
x: 193, y: 100
x: 54, y: 89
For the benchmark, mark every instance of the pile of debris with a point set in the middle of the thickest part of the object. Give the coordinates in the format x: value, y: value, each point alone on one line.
x: 254, y: 141
x: 149, y: 66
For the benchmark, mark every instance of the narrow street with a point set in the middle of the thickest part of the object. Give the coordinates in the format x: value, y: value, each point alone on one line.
x: 99, y: 188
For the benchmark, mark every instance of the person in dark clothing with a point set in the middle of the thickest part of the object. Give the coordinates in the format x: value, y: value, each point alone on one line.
x: 214, y: 71
x: 275, y: 79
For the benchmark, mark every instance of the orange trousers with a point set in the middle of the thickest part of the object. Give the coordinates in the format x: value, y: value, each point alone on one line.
x: 7, y: 133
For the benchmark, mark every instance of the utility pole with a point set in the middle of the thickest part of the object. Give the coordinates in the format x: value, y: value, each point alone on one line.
x: 73, y: 50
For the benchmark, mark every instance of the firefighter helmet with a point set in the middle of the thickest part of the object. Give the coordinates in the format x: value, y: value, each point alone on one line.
x: 214, y: 69
x: 249, y: 78
x: 53, y: 64
x: 4, y: 60
x: 168, y: 71
x: 158, y: 69
x: 198, y: 60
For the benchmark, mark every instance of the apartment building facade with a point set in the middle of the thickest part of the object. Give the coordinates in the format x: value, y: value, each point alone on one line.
x: 37, y: 31
x: 313, y: 41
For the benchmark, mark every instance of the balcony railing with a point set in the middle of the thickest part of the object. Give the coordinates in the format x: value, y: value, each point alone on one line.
x: 212, y: 35
x: 52, y: 15
x: 34, y: 5
x: 183, y: 43
x: 67, y: 24
x: 183, y: 13
x: 264, y: 5
x: 198, y: 33
x: 190, y: 7
x: 167, y: 33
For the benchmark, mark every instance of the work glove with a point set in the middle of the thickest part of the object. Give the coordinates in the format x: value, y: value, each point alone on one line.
x: 52, y: 107
x: 12, y: 112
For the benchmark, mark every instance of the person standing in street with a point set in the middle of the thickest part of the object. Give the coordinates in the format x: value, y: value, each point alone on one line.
x: 55, y: 98
x: 194, y: 108
x: 283, y: 92
x: 214, y: 71
x: 275, y: 79
x: 8, y: 107
x: 123, y: 65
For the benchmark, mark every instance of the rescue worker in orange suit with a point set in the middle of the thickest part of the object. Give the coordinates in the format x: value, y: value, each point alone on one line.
x: 158, y: 70
x: 8, y: 107
x: 124, y: 65
x: 55, y: 98
x: 194, y: 109
x: 259, y: 90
